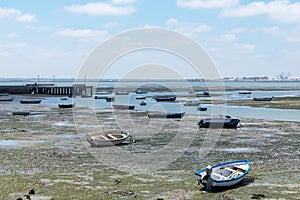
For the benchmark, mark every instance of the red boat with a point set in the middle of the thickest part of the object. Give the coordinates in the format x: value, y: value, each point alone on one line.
x: 124, y: 107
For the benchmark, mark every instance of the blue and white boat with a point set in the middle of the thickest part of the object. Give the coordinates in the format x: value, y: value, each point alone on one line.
x: 224, y: 174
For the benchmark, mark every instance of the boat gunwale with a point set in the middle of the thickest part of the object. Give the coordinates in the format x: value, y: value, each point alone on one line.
x: 198, y: 173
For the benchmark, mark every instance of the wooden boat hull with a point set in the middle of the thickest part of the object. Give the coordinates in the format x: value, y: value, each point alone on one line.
x: 66, y: 105
x: 24, y: 113
x: 141, y: 97
x: 245, y: 92
x: 192, y: 103
x: 107, y: 137
x: 30, y: 101
x: 225, y: 174
x: 158, y: 99
x: 199, y: 108
x: 122, y: 93
x: 166, y: 115
x: 218, y: 123
x: 124, y: 107
x: 263, y: 99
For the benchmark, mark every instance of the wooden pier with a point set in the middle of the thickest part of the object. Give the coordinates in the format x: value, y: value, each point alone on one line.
x: 50, y: 89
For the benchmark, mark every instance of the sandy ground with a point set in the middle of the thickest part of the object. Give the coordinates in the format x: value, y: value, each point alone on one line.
x: 47, y: 151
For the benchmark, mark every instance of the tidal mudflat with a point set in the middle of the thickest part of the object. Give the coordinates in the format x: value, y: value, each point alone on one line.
x: 44, y: 151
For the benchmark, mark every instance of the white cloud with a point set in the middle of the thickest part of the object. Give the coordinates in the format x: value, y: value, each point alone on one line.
x: 28, y: 17
x: 224, y: 38
x: 100, y: 8
x: 18, y: 45
x: 279, y: 10
x: 4, y: 12
x: 171, y: 21
x: 81, y: 33
x: 245, y: 47
x: 237, y: 30
x: 36, y: 28
x: 12, y: 35
x: 110, y: 25
x: 188, y: 28
x: 4, y: 53
x: 122, y: 1
x: 206, y: 3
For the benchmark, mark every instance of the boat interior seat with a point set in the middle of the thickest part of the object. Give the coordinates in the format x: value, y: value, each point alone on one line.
x: 104, y: 137
x: 111, y: 136
x: 218, y: 176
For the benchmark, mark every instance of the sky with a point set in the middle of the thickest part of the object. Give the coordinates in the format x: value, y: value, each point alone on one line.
x: 242, y: 37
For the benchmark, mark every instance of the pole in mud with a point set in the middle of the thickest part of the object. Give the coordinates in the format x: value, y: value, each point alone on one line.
x: 209, y: 179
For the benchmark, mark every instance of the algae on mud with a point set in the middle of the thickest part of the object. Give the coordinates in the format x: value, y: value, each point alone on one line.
x: 61, y: 167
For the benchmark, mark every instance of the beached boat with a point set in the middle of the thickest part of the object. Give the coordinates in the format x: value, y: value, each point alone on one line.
x: 30, y: 101
x: 107, y: 137
x: 70, y: 105
x: 122, y: 93
x: 262, y: 98
x: 192, y: 103
x: 124, y: 107
x: 200, y: 108
x: 140, y: 92
x: 219, y: 122
x: 202, y: 94
x: 166, y: 115
x: 224, y: 174
x: 245, y: 92
x: 6, y: 98
x: 171, y: 98
x: 143, y: 103
x: 24, y: 113
x: 140, y: 97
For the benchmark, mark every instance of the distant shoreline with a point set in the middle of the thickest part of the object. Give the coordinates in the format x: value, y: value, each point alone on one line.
x: 73, y: 80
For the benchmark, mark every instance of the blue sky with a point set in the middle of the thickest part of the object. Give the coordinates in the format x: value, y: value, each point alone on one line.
x: 243, y: 38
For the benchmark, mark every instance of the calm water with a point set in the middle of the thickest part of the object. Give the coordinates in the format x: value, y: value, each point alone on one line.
x: 152, y: 105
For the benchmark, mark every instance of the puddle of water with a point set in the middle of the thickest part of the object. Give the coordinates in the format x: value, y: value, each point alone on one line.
x: 63, y: 124
x: 239, y: 150
x: 15, y: 144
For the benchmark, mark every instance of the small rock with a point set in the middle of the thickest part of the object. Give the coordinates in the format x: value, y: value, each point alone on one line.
x: 117, y: 181
x: 258, y: 196
x: 121, y: 192
x: 32, y: 191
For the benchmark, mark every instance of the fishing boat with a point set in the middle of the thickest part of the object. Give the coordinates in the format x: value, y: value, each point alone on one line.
x: 6, y: 98
x: 143, y: 103
x: 166, y: 115
x: 262, y: 98
x: 124, y: 107
x: 219, y: 122
x: 107, y: 137
x: 202, y: 94
x: 30, y: 101
x: 140, y: 92
x: 70, y: 105
x: 24, y: 113
x: 200, y: 108
x: 224, y: 174
x: 245, y: 92
x: 140, y: 97
x: 192, y: 103
x: 122, y: 93
x: 172, y: 98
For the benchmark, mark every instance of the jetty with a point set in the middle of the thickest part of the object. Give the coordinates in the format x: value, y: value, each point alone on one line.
x: 50, y: 89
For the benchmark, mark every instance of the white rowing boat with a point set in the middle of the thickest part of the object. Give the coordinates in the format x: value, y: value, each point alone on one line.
x: 107, y: 137
x: 224, y: 174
